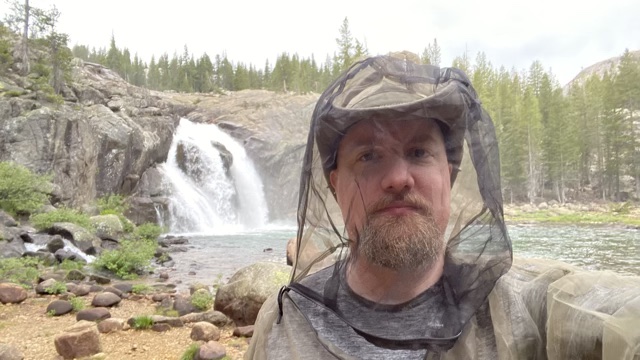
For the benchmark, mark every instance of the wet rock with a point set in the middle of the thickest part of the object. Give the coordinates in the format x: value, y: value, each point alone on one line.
x: 106, y: 299
x: 64, y: 254
x: 173, y: 240
x: 183, y: 305
x: 80, y: 237
x: 55, y: 244
x: 80, y: 340
x: 59, y: 307
x: 204, y: 331
x: 12, y: 293
x: 94, y: 314
x: 47, y: 258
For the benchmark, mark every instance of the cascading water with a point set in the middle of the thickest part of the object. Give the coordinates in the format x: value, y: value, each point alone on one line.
x: 213, y: 185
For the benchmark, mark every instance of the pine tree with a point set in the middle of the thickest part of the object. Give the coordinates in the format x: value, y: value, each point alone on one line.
x: 432, y: 53
x: 345, y: 46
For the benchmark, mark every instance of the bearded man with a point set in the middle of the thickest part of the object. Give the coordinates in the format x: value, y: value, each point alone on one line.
x: 400, y: 222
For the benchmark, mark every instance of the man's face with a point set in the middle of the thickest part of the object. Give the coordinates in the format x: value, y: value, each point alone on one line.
x: 392, y: 183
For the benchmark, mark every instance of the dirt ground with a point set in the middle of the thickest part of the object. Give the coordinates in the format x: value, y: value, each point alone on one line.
x: 29, y: 328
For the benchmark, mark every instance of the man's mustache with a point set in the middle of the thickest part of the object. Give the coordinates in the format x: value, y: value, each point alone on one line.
x: 410, y: 200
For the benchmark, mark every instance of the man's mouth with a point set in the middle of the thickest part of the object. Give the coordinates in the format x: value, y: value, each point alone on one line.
x: 398, y: 209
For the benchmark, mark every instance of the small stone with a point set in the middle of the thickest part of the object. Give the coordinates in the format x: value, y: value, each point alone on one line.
x: 80, y: 340
x: 164, y: 275
x: 204, y: 331
x: 106, y: 299
x: 41, y: 289
x: 12, y: 293
x: 95, y: 314
x: 124, y: 288
x: 110, y: 325
x: 100, y: 279
x: 56, y: 243
x: 10, y: 352
x: 212, y: 350
x: 159, y: 297
x: 243, y: 331
x: 59, y: 307
x: 81, y: 290
x: 161, y: 327
x: 76, y: 275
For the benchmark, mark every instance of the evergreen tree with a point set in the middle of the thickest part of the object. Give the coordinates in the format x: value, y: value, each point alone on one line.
x: 345, y: 46
x: 113, y: 57
x: 432, y: 53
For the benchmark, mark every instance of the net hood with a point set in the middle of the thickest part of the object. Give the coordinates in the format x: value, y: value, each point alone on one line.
x: 397, y: 88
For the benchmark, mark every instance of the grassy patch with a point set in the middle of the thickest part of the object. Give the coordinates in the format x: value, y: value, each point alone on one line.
x: 142, y: 322
x: 69, y: 265
x: 76, y: 303
x: 202, y: 300
x: 46, y: 220
x: 141, y: 289
x: 56, y: 288
x: 548, y: 216
x: 22, y: 271
x: 167, y: 312
x: 191, y: 352
x: 131, y: 259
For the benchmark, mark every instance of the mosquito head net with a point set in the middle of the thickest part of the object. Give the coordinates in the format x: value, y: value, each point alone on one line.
x: 377, y: 104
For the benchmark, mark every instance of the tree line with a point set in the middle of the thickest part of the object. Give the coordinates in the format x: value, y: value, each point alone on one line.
x: 564, y: 144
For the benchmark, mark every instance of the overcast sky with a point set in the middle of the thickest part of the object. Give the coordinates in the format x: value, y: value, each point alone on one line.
x: 565, y: 35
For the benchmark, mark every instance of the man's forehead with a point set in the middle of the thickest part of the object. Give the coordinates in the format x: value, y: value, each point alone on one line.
x: 366, y: 131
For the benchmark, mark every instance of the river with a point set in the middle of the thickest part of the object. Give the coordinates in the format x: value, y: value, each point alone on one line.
x: 213, y: 257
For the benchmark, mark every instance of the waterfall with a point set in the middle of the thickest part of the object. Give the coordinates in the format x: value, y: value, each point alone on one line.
x: 213, y: 185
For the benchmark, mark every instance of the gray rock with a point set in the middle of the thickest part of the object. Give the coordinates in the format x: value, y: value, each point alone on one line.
x: 182, y: 305
x: 64, y: 254
x: 82, y: 238
x: 113, y: 290
x: 81, y: 290
x: 10, y: 352
x: 110, y: 325
x: 56, y: 243
x: 163, y: 327
x: 158, y: 297
x: 59, y: 307
x: 172, y: 321
x: 124, y: 287
x: 212, y: 350
x: 241, y: 298
x: 76, y: 275
x: 94, y: 314
x: 47, y: 258
x: 170, y: 240
x: 80, y: 340
x: 12, y: 248
x: 56, y: 275
x: 99, y: 279
x: 106, y: 299
x: 108, y: 227
x: 244, y: 331
x: 7, y: 220
x: 41, y: 288
x: 204, y: 331
x: 12, y: 293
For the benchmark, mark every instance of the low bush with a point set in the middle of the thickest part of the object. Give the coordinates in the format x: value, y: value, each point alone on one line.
x: 57, y: 287
x: 69, y: 265
x: 141, y: 289
x: 147, y: 231
x: 46, y: 220
x: 22, y: 271
x: 131, y: 259
x: 191, y: 352
x: 142, y: 322
x: 202, y: 300
x: 76, y: 303
x: 21, y: 191
x: 112, y: 204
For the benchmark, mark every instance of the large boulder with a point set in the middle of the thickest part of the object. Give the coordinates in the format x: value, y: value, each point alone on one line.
x: 10, y: 352
x: 82, y: 238
x: 108, y: 227
x: 80, y: 340
x: 241, y: 298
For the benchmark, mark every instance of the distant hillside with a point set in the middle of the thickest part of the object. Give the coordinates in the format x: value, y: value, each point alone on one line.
x: 598, y: 68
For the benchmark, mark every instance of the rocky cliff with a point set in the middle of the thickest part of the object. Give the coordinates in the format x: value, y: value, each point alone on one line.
x: 106, y: 136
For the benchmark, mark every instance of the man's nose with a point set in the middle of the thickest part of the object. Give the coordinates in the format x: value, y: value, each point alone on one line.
x: 397, y: 176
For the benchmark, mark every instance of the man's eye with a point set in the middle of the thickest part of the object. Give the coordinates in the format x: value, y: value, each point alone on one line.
x: 418, y: 153
x: 368, y: 156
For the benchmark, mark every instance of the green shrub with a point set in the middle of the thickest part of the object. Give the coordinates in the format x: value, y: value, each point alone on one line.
x: 167, y: 312
x: 69, y: 265
x: 202, y: 300
x: 132, y: 258
x: 127, y: 225
x: 148, y: 231
x: 76, y: 303
x: 23, y: 271
x: 46, y: 220
x: 142, y: 322
x: 112, y: 204
x: 21, y: 191
x: 191, y: 352
x: 141, y: 289
x: 13, y: 93
x: 57, y: 287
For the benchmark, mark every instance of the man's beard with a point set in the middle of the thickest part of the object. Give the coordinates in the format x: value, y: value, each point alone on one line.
x: 410, y: 241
